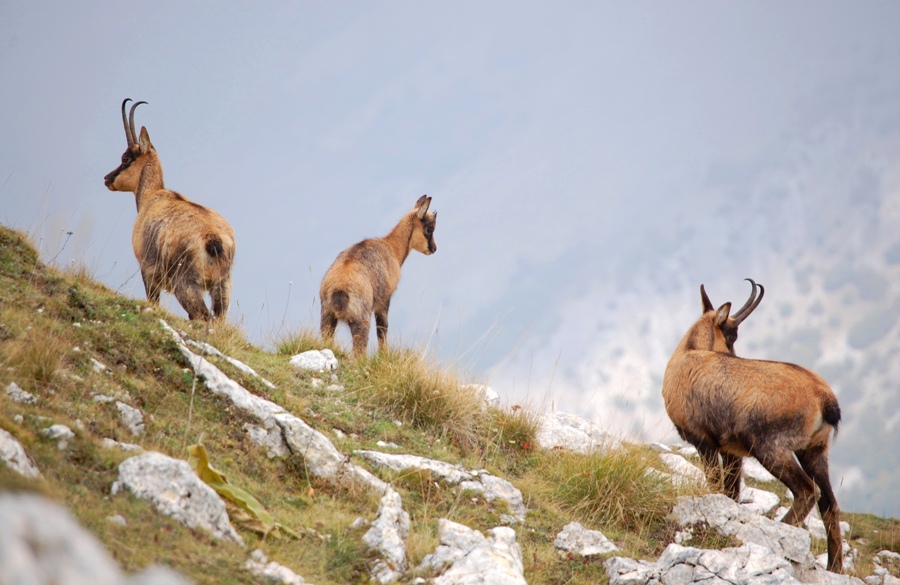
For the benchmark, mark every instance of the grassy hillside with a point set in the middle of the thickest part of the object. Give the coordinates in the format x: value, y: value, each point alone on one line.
x: 56, y: 326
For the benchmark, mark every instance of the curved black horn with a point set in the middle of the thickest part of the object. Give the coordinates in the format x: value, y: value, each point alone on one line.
x: 131, y: 121
x: 751, y: 303
x: 128, y: 133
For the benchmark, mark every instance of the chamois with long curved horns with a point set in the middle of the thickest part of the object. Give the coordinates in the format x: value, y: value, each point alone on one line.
x: 363, y: 277
x: 735, y: 407
x: 181, y: 246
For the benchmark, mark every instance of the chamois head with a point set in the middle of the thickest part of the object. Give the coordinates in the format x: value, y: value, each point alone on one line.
x: 717, y: 330
x: 422, y: 239
x: 127, y: 175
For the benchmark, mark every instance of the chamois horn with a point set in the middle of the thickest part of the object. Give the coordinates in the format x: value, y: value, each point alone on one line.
x: 128, y: 122
x: 751, y: 303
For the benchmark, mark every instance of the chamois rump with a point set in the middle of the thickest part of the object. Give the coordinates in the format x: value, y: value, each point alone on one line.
x: 735, y: 407
x: 181, y: 246
x: 363, y: 277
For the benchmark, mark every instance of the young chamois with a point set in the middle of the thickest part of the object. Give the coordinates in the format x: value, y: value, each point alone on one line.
x: 734, y: 407
x: 181, y: 246
x: 364, y: 277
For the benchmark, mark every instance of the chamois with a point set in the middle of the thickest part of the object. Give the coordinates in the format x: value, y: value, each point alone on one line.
x: 735, y: 407
x: 181, y: 246
x: 363, y: 277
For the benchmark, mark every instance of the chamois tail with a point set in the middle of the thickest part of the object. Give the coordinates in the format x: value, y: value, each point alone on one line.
x: 340, y: 300
x: 831, y: 413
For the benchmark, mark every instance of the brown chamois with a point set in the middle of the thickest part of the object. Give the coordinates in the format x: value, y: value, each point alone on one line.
x: 734, y: 407
x: 181, y: 246
x: 363, y: 277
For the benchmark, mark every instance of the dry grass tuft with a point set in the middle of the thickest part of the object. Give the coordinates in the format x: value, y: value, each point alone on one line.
x: 37, y: 356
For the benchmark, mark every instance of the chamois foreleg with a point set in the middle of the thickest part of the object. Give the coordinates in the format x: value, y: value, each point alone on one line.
x: 359, y: 329
x: 732, y: 466
x: 709, y: 453
x: 781, y: 464
x: 815, y: 462
x: 327, y: 325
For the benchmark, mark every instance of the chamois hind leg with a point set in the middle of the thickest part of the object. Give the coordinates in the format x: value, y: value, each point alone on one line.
x: 359, y: 329
x: 327, y: 325
x: 220, y: 292
x: 191, y: 299
x: 381, y: 328
x: 151, y: 286
x: 781, y: 464
x: 732, y: 465
x: 815, y: 462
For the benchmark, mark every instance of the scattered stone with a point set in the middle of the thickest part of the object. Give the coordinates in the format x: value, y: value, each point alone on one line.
x: 491, y: 487
x: 315, y: 360
x: 97, y: 365
x: 335, y: 388
x: 272, y: 572
x: 660, y: 448
x: 127, y: 447
x: 385, y: 445
x: 60, y: 433
x: 13, y: 455
x: 118, y: 520
x: 131, y: 417
x: 102, y: 398
x: 688, y: 452
x: 560, y: 430
x: 470, y: 558
x: 269, y: 436
x: 16, y: 394
x: 486, y: 393
x: 388, y: 534
x: 176, y: 491
x: 207, y: 349
x: 18, y: 419
x: 754, y: 470
x: 684, y: 471
x: 758, y: 501
x: 575, y: 539
x: 41, y: 543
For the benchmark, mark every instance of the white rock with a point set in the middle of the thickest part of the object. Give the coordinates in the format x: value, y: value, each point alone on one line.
x: 754, y: 470
x: 684, y: 470
x: 131, y: 417
x: 272, y: 572
x: 60, y: 433
x: 101, y: 398
x: 113, y: 444
x: 490, y: 486
x: 16, y: 394
x: 176, y: 491
x: 97, y: 365
x: 268, y: 435
x: 560, y: 430
x: 13, y: 455
x: 574, y: 538
x: 207, y: 349
x: 486, y: 393
x: 384, y: 445
x: 388, y: 534
x: 660, y: 448
x: 472, y: 559
x: 758, y: 501
x: 689, y: 451
x: 315, y: 360
x: 117, y: 519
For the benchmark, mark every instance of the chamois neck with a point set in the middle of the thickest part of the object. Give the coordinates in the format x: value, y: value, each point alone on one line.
x: 400, y: 238
x: 151, y: 178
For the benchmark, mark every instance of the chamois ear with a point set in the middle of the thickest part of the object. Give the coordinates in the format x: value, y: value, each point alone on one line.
x: 422, y: 206
x: 722, y: 314
x: 144, y: 141
x: 707, y: 304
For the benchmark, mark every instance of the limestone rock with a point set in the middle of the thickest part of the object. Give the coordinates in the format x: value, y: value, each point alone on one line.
x: 560, y: 430
x: 388, y: 535
x: 176, y: 491
x: 16, y: 394
x: 272, y: 572
x: 13, y: 455
x: 472, y: 559
x: 131, y: 417
x: 574, y: 538
x: 315, y: 360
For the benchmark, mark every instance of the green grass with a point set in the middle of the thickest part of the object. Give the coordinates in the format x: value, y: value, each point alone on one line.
x: 53, y: 324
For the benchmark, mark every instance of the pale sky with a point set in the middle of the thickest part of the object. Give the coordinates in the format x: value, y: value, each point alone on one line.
x: 580, y: 155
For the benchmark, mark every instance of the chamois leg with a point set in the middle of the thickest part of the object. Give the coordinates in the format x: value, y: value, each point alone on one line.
x: 815, y: 462
x: 191, y: 299
x: 732, y: 466
x: 360, y: 331
x: 220, y: 292
x: 151, y: 286
x: 781, y: 464
x: 709, y: 453
x: 381, y: 328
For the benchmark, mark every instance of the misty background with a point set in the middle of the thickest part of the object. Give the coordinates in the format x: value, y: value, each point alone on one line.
x: 592, y: 164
